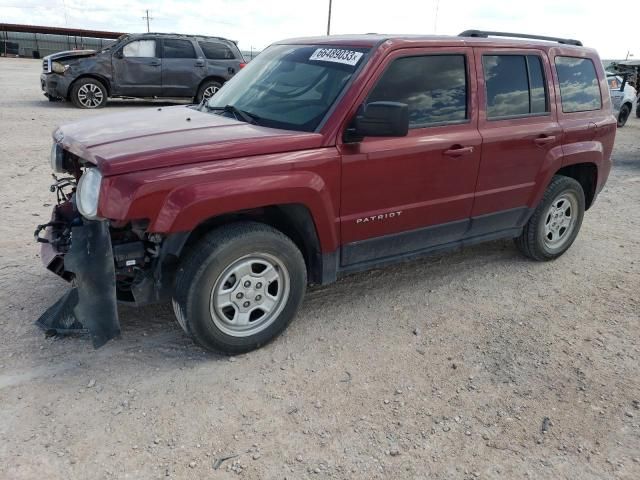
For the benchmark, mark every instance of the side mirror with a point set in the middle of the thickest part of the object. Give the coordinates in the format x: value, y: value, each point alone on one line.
x: 382, y: 119
x: 118, y: 54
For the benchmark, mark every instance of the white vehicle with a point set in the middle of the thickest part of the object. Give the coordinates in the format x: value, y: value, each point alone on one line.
x: 623, y: 98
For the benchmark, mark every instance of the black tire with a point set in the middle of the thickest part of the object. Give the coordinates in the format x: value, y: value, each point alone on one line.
x: 208, y: 85
x: 534, y: 242
x: 623, y: 116
x: 638, y: 109
x: 205, y: 268
x: 89, y: 93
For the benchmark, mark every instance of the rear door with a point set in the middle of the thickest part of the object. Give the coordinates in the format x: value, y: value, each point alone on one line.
x: 182, y: 70
x: 137, y: 69
x: 405, y: 194
x: 520, y: 131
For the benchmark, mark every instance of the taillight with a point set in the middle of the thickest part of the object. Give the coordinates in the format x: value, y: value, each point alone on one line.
x: 242, y: 65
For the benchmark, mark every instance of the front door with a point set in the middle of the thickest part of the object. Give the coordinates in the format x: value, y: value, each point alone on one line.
x: 182, y: 71
x: 407, y: 194
x: 137, y: 69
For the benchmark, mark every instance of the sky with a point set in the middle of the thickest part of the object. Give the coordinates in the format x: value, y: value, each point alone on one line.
x: 257, y: 23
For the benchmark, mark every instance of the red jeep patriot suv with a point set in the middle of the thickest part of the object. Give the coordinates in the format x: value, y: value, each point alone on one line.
x: 324, y: 156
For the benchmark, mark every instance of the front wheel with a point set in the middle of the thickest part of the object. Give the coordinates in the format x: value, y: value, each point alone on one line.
x: 239, y: 288
x: 556, y: 221
x: 89, y: 93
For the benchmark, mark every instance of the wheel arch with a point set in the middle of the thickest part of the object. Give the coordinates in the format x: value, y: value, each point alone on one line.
x: 95, y: 76
x: 216, y: 78
x: 586, y: 174
x: 295, y: 220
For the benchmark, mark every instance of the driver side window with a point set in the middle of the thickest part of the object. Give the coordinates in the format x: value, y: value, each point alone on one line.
x: 140, y: 49
x: 433, y: 86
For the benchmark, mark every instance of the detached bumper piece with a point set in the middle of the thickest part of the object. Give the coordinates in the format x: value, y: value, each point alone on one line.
x: 91, y: 305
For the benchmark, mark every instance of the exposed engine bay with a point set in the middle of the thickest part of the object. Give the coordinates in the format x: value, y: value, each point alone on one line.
x: 104, y: 264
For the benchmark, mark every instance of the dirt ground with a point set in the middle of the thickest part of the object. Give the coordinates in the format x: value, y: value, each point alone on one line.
x: 449, y: 367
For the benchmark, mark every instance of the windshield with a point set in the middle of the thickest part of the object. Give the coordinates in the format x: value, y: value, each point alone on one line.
x: 112, y: 44
x: 289, y: 86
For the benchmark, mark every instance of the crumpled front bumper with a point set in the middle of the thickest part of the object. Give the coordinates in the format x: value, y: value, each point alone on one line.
x: 54, y: 85
x: 91, y: 305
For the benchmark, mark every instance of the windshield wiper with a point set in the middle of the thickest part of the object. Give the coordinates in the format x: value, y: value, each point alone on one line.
x: 239, y: 114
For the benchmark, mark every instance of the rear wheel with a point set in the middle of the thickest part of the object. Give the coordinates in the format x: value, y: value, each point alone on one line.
x: 207, y: 90
x: 623, y: 116
x: 89, y: 93
x: 239, y: 288
x: 555, y: 223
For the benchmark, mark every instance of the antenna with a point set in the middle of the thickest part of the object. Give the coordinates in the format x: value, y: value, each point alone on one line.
x: 147, y: 18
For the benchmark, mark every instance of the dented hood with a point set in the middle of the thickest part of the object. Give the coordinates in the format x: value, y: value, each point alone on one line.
x: 169, y: 136
x: 67, y: 54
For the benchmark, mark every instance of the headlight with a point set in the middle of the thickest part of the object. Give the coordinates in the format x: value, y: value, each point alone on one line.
x: 88, y: 193
x: 57, y: 158
x: 57, y: 67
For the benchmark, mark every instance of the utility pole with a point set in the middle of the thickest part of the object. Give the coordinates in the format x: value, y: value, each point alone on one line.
x: 435, y: 19
x: 147, y: 17
x: 329, y: 20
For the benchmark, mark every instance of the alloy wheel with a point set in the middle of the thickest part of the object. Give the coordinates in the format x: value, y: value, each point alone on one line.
x: 90, y: 95
x: 209, y: 92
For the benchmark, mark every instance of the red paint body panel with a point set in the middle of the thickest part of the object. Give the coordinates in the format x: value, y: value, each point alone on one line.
x: 155, y: 138
x: 411, y: 174
x: 511, y: 161
x: 177, y: 199
x: 178, y: 167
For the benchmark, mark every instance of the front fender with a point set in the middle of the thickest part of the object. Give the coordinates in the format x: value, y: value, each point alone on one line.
x: 188, y: 206
x: 178, y: 199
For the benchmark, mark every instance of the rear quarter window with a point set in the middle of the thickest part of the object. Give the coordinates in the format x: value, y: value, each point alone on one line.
x: 579, y: 86
x: 216, y: 51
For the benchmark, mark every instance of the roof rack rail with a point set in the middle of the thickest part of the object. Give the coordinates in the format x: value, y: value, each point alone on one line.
x: 485, y: 34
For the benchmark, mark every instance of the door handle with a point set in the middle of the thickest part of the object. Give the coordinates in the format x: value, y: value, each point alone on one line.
x: 458, y: 151
x: 544, y: 140
x: 154, y: 63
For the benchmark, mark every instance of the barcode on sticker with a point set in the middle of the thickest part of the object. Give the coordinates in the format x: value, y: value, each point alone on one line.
x: 336, y: 55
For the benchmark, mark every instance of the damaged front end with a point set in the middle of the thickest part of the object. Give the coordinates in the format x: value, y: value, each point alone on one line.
x: 104, y: 264
x: 80, y: 251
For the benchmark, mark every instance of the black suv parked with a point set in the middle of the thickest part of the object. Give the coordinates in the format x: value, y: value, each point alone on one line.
x: 142, y: 65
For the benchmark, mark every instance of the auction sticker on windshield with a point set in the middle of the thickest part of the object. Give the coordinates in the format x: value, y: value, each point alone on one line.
x: 336, y: 55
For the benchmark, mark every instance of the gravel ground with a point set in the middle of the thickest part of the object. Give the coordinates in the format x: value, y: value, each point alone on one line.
x: 475, y: 364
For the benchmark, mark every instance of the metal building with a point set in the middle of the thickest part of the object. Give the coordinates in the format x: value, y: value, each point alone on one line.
x: 34, y: 41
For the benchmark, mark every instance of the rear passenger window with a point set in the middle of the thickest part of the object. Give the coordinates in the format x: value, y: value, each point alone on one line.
x: 178, y: 49
x: 515, y: 85
x: 216, y: 51
x: 579, y: 87
x: 433, y: 86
